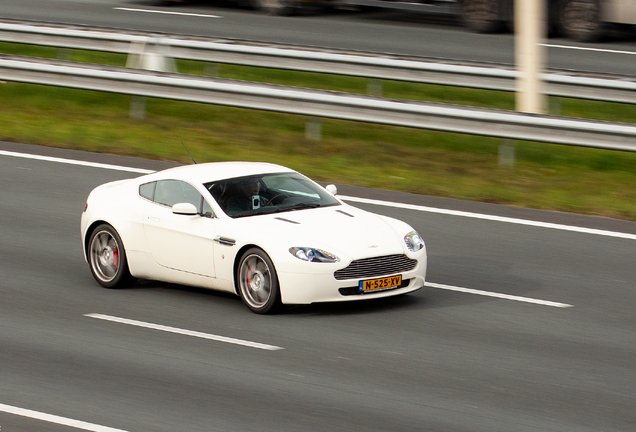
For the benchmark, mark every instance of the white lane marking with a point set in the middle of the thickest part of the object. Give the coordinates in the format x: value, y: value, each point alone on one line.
x: 56, y: 419
x: 166, y: 12
x: 75, y: 162
x: 363, y: 200
x: 185, y: 332
x: 608, y: 51
x: 492, y: 218
x: 497, y: 295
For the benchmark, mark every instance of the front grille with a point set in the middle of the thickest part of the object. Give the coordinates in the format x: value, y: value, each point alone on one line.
x: 376, y: 266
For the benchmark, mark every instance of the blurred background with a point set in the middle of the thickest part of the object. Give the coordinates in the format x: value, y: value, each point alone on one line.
x: 586, y: 38
x: 535, y: 210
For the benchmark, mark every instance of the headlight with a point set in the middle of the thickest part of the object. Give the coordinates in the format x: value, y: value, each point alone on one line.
x: 413, y: 241
x: 313, y: 255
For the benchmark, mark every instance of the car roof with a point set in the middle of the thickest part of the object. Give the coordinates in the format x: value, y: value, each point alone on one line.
x: 214, y: 171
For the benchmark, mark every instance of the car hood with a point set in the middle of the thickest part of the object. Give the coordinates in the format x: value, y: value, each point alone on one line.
x: 342, y: 230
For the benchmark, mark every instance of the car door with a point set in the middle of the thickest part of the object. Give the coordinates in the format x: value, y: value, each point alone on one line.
x: 180, y: 242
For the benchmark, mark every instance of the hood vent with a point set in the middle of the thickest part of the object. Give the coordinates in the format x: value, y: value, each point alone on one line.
x: 287, y: 220
x: 345, y: 213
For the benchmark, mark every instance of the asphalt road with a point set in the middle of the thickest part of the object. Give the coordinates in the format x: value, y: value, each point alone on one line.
x: 435, y: 360
x: 377, y: 31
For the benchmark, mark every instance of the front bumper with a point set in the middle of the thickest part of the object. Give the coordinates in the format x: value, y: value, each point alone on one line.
x: 305, y: 288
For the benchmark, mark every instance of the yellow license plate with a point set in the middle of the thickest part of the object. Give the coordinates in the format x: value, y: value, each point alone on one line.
x: 380, y: 284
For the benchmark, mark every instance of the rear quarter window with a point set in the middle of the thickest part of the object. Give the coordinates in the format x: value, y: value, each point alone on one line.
x: 147, y: 190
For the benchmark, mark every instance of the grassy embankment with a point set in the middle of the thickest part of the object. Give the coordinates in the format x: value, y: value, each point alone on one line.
x: 459, y: 166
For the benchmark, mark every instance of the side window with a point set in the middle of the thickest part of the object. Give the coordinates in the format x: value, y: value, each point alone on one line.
x: 148, y: 190
x: 171, y: 192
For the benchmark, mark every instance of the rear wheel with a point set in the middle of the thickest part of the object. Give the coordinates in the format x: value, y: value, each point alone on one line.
x: 580, y: 20
x: 258, y: 282
x: 107, y: 258
x: 483, y: 16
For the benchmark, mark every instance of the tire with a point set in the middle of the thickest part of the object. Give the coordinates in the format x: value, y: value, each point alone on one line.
x: 107, y: 258
x: 275, y: 7
x: 580, y: 20
x: 483, y: 16
x: 257, y: 282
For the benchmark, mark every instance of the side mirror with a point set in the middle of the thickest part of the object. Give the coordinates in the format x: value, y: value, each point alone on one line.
x: 332, y: 189
x: 184, y: 209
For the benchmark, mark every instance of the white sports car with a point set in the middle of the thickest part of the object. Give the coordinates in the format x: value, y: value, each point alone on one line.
x: 261, y: 231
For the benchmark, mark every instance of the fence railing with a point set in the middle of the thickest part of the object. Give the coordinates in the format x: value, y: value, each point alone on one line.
x: 609, y: 88
x: 326, y: 104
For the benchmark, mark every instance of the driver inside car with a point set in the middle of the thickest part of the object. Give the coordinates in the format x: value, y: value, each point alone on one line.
x: 247, y: 198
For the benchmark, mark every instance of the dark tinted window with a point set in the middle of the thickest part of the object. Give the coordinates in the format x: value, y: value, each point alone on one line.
x: 268, y: 193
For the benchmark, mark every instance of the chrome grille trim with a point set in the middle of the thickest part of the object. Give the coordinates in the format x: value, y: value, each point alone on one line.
x: 376, y: 266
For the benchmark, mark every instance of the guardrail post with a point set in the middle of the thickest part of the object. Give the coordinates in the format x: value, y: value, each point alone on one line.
x: 211, y: 69
x: 149, y: 55
x: 138, y: 107
x: 65, y: 54
x: 313, y: 128
x: 374, y: 87
x: 555, y: 106
x: 507, y: 154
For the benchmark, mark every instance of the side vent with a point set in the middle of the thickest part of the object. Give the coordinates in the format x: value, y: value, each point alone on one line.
x: 225, y: 241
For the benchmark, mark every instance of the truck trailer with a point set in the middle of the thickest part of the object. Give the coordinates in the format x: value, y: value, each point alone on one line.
x: 580, y: 20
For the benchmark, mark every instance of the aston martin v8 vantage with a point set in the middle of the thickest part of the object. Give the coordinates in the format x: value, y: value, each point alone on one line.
x: 258, y: 230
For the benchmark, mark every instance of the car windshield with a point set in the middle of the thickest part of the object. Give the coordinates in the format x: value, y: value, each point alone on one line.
x: 268, y: 193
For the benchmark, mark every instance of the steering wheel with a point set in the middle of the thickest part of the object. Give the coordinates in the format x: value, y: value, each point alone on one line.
x: 271, y: 200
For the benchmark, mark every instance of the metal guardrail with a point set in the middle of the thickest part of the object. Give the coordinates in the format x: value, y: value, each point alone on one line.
x: 609, y: 88
x: 440, y: 117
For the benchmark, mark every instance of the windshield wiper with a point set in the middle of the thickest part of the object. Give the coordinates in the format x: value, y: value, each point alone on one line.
x: 302, y: 206
x: 298, y: 206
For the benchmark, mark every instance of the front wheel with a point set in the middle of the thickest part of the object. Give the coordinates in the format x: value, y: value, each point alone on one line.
x: 258, y: 282
x: 580, y: 19
x: 107, y: 258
